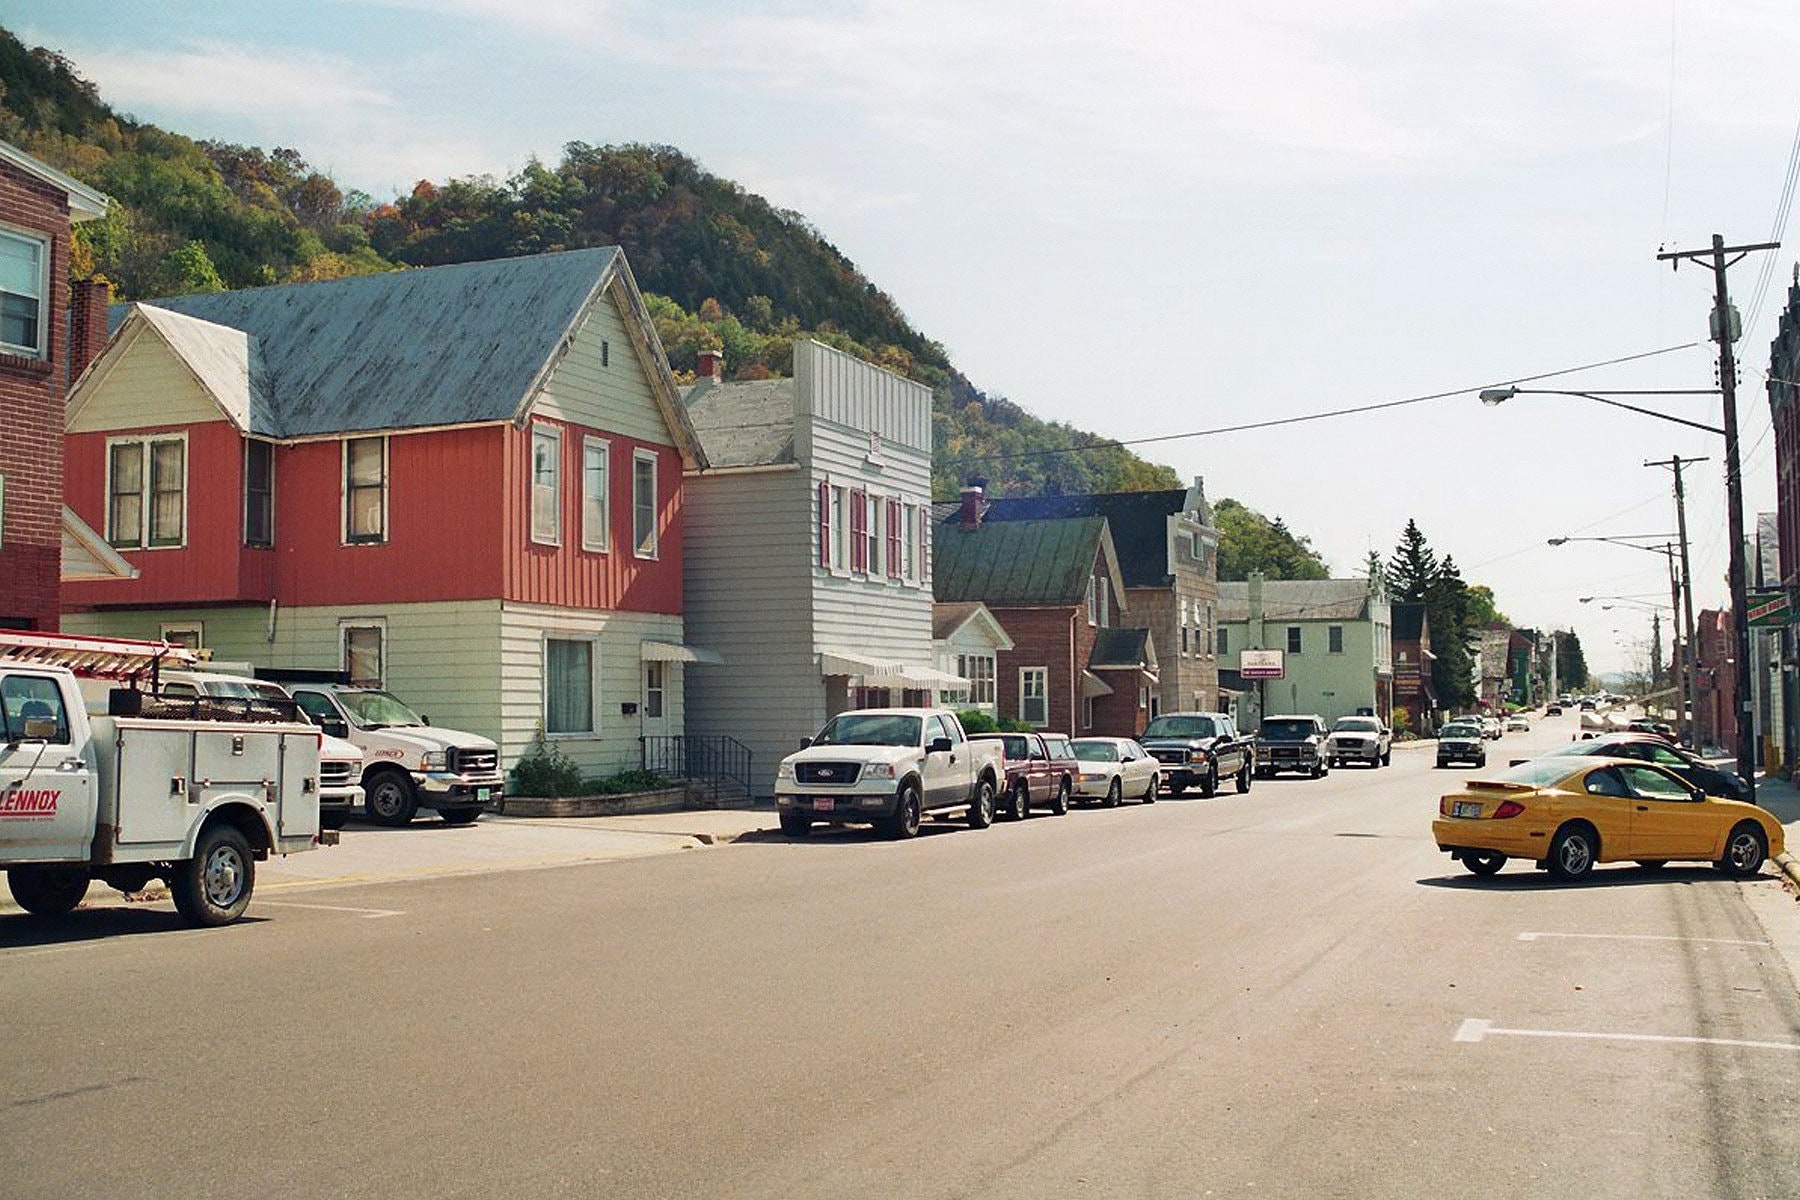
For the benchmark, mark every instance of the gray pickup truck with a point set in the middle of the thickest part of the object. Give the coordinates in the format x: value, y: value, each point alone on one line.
x: 887, y: 767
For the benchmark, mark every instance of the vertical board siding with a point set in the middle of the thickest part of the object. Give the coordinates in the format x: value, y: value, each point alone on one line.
x: 843, y: 390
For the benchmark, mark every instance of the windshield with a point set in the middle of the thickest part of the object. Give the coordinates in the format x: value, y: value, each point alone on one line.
x: 373, y: 710
x: 1287, y: 730
x: 1668, y: 756
x: 1460, y: 729
x: 1181, y: 727
x: 1089, y: 751
x: 869, y: 729
x: 1357, y: 725
x: 247, y: 689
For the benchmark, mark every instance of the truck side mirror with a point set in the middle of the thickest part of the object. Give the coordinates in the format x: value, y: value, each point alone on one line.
x: 335, y: 727
x: 805, y: 742
x: 942, y: 745
x: 40, y: 729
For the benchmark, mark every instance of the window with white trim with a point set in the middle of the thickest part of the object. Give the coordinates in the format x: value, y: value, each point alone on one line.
x: 189, y: 634
x: 643, y: 503
x: 1093, y: 600
x: 859, y: 531
x: 655, y: 681
x: 568, y: 685
x: 546, y: 484
x: 364, y: 646
x: 978, y: 669
x: 596, y: 511
x: 872, y: 556
x: 24, y: 283
x: 1034, y: 696
x: 1087, y: 712
x: 146, y: 492
x: 259, y: 493
x: 892, y: 527
x: 911, y: 549
x: 365, y: 490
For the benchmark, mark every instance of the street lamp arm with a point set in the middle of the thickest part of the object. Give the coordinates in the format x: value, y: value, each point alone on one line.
x: 1492, y: 396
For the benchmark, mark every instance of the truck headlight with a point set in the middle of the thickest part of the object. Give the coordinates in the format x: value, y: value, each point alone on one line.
x: 435, y: 760
x: 785, y: 770
x: 878, y: 771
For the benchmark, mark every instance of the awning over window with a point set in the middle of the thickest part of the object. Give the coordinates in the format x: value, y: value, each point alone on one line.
x: 1092, y: 685
x: 879, y: 670
x: 653, y: 651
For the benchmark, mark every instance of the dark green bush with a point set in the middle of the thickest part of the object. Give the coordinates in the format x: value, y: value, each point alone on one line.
x: 544, y: 770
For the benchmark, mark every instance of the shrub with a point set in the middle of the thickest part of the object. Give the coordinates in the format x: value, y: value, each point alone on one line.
x: 544, y: 770
x: 976, y: 721
x: 635, y: 780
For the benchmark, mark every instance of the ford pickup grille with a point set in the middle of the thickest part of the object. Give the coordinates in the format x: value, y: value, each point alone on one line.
x: 475, y: 762
x: 1170, y: 756
x: 827, y: 772
x: 334, y: 774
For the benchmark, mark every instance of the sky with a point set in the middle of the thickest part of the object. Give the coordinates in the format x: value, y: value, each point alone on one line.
x: 1151, y: 218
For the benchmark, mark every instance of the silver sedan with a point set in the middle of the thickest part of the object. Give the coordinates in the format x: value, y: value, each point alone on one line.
x: 1113, y: 768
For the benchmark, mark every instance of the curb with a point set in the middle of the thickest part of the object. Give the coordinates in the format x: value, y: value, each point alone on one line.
x: 1789, y: 867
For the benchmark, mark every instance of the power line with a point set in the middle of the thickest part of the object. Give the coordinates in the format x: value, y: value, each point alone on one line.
x: 1120, y: 443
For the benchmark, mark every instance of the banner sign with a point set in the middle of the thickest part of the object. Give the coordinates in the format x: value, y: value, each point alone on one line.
x: 1262, y: 664
x: 1767, y: 609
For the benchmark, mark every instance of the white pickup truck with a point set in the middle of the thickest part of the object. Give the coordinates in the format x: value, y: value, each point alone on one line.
x: 888, y: 767
x: 138, y: 796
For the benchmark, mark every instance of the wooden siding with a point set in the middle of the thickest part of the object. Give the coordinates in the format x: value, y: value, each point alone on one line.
x: 840, y: 389
x: 749, y: 592
x: 617, y: 396
x: 147, y: 386
x: 519, y: 682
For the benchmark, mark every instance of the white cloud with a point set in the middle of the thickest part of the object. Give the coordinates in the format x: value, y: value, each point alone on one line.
x: 585, y: 21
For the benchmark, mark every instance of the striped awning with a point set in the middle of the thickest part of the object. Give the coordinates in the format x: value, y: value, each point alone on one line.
x: 654, y: 651
x: 878, y: 670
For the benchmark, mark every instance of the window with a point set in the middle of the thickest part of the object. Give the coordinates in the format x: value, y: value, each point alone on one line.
x: 1334, y: 639
x: 365, y: 490
x: 1087, y: 712
x: 1105, y: 601
x: 259, y: 493
x: 1211, y: 624
x: 1093, y: 600
x: 596, y: 512
x: 1184, y: 637
x: 191, y: 636
x: 1293, y: 639
x: 910, y: 534
x: 605, y: 353
x: 32, y: 698
x: 546, y: 484
x: 146, y: 492
x: 840, y: 532
x: 1224, y: 640
x: 653, y: 688
x: 894, y: 530
x: 364, y: 652
x: 859, y: 531
x: 643, y: 503
x: 873, y: 557
x: 978, y: 669
x: 23, y: 285
x: 924, y: 545
x: 568, y: 685
x: 1034, y: 696
x: 826, y: 525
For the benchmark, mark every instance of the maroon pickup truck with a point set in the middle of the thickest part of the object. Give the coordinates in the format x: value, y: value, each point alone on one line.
x: 1040, y: 772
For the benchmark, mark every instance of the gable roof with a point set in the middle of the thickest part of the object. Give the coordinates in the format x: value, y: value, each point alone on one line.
x: 1139, y: 522
x: 1115, y: 647
x: 1298, y: 600
x: 1018, y: 564
x: 469, y: 343
x: 749, y: 424
x: 949, y: 619
x: 85, y: 204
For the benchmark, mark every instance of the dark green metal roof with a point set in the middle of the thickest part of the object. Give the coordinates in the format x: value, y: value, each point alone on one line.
x: 1017, y: 564
x: 1115, y: 647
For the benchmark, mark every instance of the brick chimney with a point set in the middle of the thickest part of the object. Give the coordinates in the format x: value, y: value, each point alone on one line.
x: 971, y: 503
x: 709, y: 365
x: 88, y: 300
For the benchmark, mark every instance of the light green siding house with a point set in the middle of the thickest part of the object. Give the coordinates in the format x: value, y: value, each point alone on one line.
x: 1336, y: 639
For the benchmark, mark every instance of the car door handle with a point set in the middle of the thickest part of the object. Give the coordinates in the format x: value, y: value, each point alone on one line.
x: 1643, y: 808
x: 71, y: 764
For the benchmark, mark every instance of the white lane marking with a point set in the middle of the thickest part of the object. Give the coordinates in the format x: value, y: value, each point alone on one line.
x: 366, y: 913
x: 1474, y: 1029
x: 1639, y: 937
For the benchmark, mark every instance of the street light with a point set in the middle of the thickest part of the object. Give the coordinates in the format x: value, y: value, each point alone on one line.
x: 1494, y: 396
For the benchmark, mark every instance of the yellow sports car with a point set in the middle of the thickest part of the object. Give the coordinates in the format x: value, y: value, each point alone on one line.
x: 1566, y: 814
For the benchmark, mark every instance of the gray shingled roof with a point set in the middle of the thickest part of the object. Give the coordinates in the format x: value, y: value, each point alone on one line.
x: 1115, y: 647
x: 1298, y: 600
x: 748, y: 424
x: 448, y: 345
x: 1016, y: 564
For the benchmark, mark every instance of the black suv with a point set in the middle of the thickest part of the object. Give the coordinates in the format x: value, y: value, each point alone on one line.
x: 1292, y: 743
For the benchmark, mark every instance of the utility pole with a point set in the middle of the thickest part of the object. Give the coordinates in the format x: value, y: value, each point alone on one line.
x: 1655, y: 649
x: 1685, y: 615
x: 1724, y: 331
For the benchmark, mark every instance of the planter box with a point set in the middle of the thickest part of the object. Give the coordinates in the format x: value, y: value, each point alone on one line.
x: 672, y: 799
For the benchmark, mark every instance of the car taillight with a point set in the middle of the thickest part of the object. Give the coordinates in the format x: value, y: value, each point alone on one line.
x: 1509, y: 808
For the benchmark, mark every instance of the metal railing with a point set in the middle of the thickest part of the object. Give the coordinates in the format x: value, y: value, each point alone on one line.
x: 719, y: 762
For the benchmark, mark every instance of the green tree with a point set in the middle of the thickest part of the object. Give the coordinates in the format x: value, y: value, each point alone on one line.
x: 1416, y: 576
x: 191, y: 270
x: 1249, y: 541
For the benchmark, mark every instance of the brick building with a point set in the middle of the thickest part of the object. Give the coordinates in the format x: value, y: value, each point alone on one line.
x: 39, y: 356
x: 1715, y: 679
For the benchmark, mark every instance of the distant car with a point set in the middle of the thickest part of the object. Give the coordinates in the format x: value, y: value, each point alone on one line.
x: 1587, y: 706
x: 1553, y: 709
x: 1491, y: 728
x: 1568, y: 813
x: 1113, y: 768
x: 1647, y: 747
x: 1518, y: 724
x: 1040, y: 772
x: 1359, y: 739
x: 1461, y: 741
x: 1292, y: 743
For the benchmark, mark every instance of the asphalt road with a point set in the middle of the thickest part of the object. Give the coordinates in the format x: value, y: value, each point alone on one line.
x: 1289, y: 993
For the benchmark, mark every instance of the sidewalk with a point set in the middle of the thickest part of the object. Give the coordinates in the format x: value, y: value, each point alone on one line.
x: 1782, y: 799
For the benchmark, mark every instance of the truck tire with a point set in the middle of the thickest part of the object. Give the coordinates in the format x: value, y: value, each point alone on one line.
x: 981, y: 808
x: 333, y: 820
x: 214, y: 886
x: 795, y: 824
x: 1059, y: 807
x: 1020, y: 802
x: 1209, y: 782
x: 47, y: 891
x: 1243, y: 778
x: 908, y: 811
x: 462, y: 814
x: 390, y: 800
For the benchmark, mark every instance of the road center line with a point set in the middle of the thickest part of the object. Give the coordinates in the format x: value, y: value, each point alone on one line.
x: 1475, y: 1029
x: 366, y: 913
x: 1639, y: 937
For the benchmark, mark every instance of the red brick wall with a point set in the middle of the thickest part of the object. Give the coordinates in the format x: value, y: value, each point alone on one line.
x: 1057, y: 638
x: 31, y: 416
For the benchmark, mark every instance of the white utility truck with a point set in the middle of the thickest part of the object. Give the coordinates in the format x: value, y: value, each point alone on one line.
x: 154, y: 789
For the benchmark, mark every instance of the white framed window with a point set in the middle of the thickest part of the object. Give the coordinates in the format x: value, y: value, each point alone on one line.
x: 1093, y: 600
x: 1034, y: 696
x: 1087, y: 712
x: 546, y: 485
x: 363, y: 643
x: 146, y: 491
x: 643, y: 503
x: 894, y: 527
x: 191, y: 634
x: 24, y: 284
x: 1334, y: 639
x: 1212, y: 623
x: 911, y: 549
x: 978, y: 669
x: 1105, y: 601
x: 259, y: 493
x: 840, y: 529
x: 570, y: 663
x: 872, y: 532
x: 655, y: 682
x: 365, y: 490
x: 596, y: 484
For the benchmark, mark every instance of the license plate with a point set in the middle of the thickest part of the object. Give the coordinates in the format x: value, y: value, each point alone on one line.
x: 481, y: 795
x: 824, y: 803
x: 1466, y: 808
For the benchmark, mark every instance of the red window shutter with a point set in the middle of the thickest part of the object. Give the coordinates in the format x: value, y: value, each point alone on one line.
x: 825, y: 525
x: 893, y: 539
x: 859, y: 531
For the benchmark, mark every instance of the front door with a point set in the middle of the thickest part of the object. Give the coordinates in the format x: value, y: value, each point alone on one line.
x: 1667, y: 822
x: 47, y: 792
x: 655, y: 710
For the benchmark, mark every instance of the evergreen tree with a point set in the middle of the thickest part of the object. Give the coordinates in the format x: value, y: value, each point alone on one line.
x: 1416, y: 576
